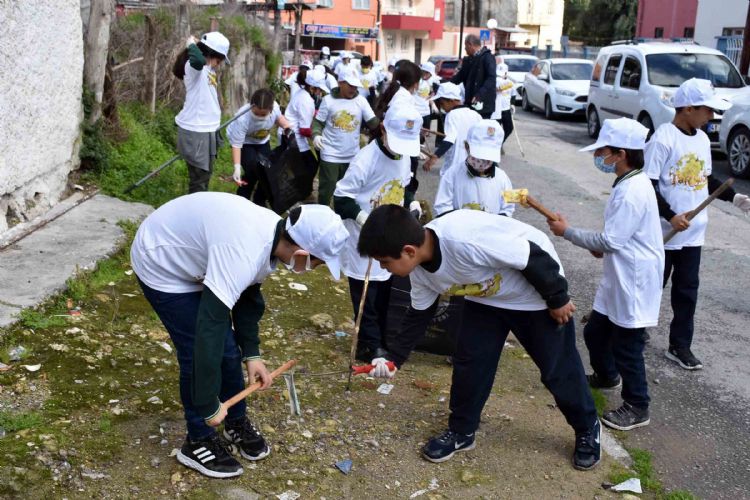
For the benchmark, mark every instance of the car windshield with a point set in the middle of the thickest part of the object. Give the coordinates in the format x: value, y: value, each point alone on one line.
x: 670, y: 70
x: 520, y: 65
x: 448, y: 64
x: 571, y: 71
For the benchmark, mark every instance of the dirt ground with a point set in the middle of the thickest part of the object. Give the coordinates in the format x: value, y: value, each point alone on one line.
x: 101, y: 417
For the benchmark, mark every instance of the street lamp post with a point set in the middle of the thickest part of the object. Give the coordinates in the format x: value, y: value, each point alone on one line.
x: 461, y: 29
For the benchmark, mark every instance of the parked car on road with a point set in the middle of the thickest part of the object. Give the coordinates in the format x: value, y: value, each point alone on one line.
x: 518, y: 66
x: 558, y: 86
x: 734, y: 136
x: 638, y: 80
x: 446, y: 68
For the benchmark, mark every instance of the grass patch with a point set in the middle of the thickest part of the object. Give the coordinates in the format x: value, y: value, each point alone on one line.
x: 38, y: 320
x: 643, y: 469
x: 12, y: 422
x: 600, y: 401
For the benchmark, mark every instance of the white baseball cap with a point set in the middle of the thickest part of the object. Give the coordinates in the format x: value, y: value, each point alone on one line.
x: 428, y: 67
x: 317, y: 79
x: 307, y: 63
x: 448, y: 90
x: 345, y: 55
x: 699, y: 92
x: 485, y: 140
x: 392, y: 61
x: 325, y: 50
x: 402, y: 126
x: 216, y: 42
x: 501, y: 69
x: 624, y: 133
x: 322, y: 233
x: 349, y: 76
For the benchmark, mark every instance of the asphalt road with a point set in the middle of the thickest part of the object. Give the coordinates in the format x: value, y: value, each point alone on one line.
x: 700, y: 421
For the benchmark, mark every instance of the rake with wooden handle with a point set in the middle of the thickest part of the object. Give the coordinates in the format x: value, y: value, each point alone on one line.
x: 523, y: 197
x: 691, y: 214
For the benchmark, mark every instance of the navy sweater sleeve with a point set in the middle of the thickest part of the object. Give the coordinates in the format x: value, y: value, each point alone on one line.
x: 543, y: 272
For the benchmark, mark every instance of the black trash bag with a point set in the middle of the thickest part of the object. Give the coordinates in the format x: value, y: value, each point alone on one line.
x: 441, y: 334
x: 289, y: 176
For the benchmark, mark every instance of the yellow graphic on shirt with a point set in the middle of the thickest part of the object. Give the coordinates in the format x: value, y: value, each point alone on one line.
x: 261, y: 133
x: 505, y: 86
x: 213, y: 79
x: 689, y: 172
x: 390, y: 193
x: 365, y: 83
x: 486, y: 288
x: 343, y: 120
x: 473, y: 206
x: 424, y: 92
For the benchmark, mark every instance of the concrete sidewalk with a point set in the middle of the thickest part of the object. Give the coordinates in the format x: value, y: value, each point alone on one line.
x: 37, y: 265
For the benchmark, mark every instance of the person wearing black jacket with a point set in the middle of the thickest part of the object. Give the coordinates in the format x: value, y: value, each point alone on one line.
x: 512, y: 280
x: 477, y: 73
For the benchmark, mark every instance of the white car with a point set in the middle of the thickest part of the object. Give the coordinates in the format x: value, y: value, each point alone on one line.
x: 734, y: 136
x: 558, y: 86
x: 638, y: 80
x: 518, y: 66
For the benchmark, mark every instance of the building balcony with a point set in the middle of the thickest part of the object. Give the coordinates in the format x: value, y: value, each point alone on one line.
x: 416, y: 20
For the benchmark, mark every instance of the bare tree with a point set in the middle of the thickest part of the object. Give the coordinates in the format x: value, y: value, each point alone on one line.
x: 96, y: 45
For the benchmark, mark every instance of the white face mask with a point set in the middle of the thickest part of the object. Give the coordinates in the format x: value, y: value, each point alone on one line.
x: 291, y: 265
x: 478, y: 164
x: 258, y: 118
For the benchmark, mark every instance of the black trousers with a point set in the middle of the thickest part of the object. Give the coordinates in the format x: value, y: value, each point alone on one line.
x: 683, y: 265
x: 374, y: 318
x: 506, y: 121
x: 256, y: 189
x: 552, y: 347
x: 615, y: 350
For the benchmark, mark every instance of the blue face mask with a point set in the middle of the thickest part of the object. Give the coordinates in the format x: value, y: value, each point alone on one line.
x: 604, y: 167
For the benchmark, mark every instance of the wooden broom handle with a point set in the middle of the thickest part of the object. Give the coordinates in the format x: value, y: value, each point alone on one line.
x: 256, y: 385
x: 534, y: 203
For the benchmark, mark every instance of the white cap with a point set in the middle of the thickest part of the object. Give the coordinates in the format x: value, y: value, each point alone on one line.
x: 428, y: 67
x: 322, y: 233
x: 216, y: 42
x: 623, y: 133
x: 485, y: 140
x: 698, y: 92
x: 349, y: 76
x: 501, y: 69
x: 307, y: 63
x: 402, y: 126
x: 448, y: 90
x: 345, y: 55
x: 325, y: 50
x: 392, y: 61
x: 317, y: 79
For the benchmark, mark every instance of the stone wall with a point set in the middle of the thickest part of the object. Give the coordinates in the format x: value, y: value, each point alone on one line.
x: 40, y: 99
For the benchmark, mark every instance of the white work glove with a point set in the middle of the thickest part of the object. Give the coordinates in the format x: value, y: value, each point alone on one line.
x: 237, y: 174
x: 318, y: 142
x: 381, y: 369
x: 742, y: 201
x: 361, y: 218
x: 512, y: 109
x: 191, y: 40
x: 478, y: 106
x: 415, y: 208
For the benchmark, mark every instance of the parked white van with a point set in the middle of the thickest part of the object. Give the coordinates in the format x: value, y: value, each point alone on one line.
x: 638, y: 80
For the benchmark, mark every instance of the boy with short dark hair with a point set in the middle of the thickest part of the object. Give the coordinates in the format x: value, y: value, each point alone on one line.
x: 512, y: 279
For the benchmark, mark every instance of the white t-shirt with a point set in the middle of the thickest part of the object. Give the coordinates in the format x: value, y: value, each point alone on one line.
x: 681, y: 163
x: 460, y: 189
x: 369, y: 79
x: 372, y: 179
x: 331, y: 82
x: 401, y: 98
x: 247, y: 130
x: 457, y: 125
x: 220, y: 240
x: 484, y: 269
x: 629, y: 293
x: 201, y: 111
x: 505, y: 91
x: 292, y: 83
x: 422, y: 97
x: 343, y: 119
x: 339, y: 67
x: 300, y: 114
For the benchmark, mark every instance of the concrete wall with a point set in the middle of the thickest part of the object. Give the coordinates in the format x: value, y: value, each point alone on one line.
x: 671, y: 15
x: 40, y: 99
x: 710, y: 21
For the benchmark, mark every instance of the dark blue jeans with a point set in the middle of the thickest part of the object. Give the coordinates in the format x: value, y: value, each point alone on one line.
x: 257, y: 189
x: 615, y: 350
x: 375, y: 317
x: 684, y: 266
x: 178, y: 313
x: 552, y: 347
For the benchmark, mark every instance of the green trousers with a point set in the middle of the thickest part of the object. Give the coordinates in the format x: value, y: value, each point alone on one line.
x: 328, y: 175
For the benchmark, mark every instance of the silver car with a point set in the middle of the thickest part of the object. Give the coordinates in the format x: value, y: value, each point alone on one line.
x: 734, y: 136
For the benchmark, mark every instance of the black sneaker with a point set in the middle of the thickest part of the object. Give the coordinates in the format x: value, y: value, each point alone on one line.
x: 246, y: 437
x: 597, y: 382
x: 588, y: 450
x: 626, y: 417
x: 684, y: 357
x: 210, y: 457
x: 441, y: 448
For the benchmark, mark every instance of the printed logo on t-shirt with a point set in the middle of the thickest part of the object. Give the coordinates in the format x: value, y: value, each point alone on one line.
x: 390, y: 193
x: 261, y: 134
x: 689, y: 172
x: 473, y: 206
x: 365, y: 83
x: 343, y: 120
x: 424, y: 92
x: 213, y: 79
x: 486, y: 288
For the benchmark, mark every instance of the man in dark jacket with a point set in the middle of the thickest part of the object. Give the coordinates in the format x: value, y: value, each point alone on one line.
x: 477, y: 73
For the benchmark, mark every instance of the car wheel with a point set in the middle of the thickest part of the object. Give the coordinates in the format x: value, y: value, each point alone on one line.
x: 592, y: 123
x: 548, y: 113
x: 738, y: 148
x: 525, y: 104
x: 646, y: 121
